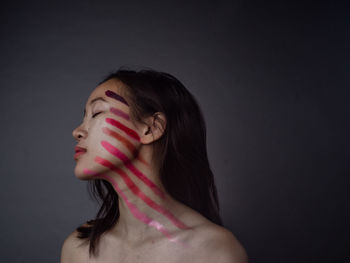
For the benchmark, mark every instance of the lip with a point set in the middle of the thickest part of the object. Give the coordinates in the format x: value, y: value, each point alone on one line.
x: 77, y: 154
x: 78, y: 151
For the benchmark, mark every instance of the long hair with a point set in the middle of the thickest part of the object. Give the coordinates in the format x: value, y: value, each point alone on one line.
x: 181, y: 152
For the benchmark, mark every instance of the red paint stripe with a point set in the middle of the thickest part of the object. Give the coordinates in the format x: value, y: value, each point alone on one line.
x: 131, y: 185
x: 126, y: 143
x: 117, y: 153
x: 120, y: 138
x: 122, y: 127
x: 142, y: 160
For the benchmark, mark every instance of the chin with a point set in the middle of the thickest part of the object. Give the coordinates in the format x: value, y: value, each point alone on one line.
x: 87, y: 170
x: 81, y: 174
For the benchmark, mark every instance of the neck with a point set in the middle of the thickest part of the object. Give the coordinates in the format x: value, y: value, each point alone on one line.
x: 146, y: 209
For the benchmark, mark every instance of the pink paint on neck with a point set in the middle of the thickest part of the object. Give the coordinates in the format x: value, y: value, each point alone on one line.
x: 137, y: 191
x: 116, y: 152
x: 133, y: 209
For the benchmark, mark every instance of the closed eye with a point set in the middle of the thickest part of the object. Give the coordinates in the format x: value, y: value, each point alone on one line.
x: 97, y: 113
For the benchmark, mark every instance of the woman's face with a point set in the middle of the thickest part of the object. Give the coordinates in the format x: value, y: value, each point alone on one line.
x: 105, y: 130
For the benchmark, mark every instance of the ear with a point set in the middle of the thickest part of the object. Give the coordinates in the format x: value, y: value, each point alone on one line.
x: 154, y: 127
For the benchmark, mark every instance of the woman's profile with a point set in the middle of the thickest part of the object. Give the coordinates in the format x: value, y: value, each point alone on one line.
x: 142, y: 147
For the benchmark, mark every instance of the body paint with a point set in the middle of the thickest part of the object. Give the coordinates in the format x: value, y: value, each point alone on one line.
x: 119, y: 113
x: 133, y: 187
x: 124, y: 128
x: 115, y: 96
x: 126, y: 143
x: 133, y: 209
x: 117, y: 153
x: 122, y: 139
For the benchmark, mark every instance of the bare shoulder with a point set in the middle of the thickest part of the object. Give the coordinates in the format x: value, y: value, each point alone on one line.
x: 74, y: 249
x: 217, y: 244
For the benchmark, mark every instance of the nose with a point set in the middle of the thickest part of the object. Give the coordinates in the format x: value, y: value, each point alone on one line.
x: 79, y: 133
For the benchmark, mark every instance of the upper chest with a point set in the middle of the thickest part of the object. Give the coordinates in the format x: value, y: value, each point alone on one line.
x: 156, y: 253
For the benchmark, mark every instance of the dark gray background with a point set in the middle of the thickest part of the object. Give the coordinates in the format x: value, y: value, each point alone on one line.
x: 272, y: 80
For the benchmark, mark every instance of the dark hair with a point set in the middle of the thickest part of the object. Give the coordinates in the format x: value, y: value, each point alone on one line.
x: 181, y: 151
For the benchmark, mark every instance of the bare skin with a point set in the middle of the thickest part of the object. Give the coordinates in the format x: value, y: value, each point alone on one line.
x: 131, y: 239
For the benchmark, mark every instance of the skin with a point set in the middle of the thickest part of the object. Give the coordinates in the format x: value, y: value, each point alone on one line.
x: 131, y: 239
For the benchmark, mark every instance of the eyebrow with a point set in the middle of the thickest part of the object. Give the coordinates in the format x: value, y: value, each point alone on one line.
x: 93, y: 100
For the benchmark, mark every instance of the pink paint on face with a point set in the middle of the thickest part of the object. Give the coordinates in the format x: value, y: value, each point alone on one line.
x: 117, y: 153
x: 126, y: 143
x: 133, y: 209
x: 119, y: 113
x: 122, y: 139
x: 124, y: 128
x: 133, y: 187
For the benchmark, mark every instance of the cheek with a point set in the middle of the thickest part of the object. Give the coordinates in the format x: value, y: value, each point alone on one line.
x: 111, y: 140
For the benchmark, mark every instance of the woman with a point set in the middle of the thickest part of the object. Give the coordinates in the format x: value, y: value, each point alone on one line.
x: 142, y: 147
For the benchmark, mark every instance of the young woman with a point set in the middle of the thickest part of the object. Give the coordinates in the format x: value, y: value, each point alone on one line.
x: 142, y: 146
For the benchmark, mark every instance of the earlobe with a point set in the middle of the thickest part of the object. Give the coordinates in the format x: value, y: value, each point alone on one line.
x: 154, y: 128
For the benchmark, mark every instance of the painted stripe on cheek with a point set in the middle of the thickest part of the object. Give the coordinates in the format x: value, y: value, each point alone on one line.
x: 141, y: 194
x: 120, y: 138
x: 119, y: 113
x: 126, y: 143
x: 115, y: 96
x: 117, y: 153
x: 122, y: 127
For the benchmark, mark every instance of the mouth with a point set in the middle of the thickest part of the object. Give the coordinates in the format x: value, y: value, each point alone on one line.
x: 78, y: 152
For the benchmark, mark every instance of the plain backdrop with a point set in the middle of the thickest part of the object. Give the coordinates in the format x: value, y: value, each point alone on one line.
x: 271, y: 78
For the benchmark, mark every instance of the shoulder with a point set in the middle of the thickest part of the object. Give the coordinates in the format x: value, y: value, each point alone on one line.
x: 73, y: 249
x: 217, y: 244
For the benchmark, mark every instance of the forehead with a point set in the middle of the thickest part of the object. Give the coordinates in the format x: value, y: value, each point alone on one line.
x: 114, y: 85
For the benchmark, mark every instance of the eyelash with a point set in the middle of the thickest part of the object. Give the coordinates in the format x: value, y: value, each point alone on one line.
x: 93, y: 116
